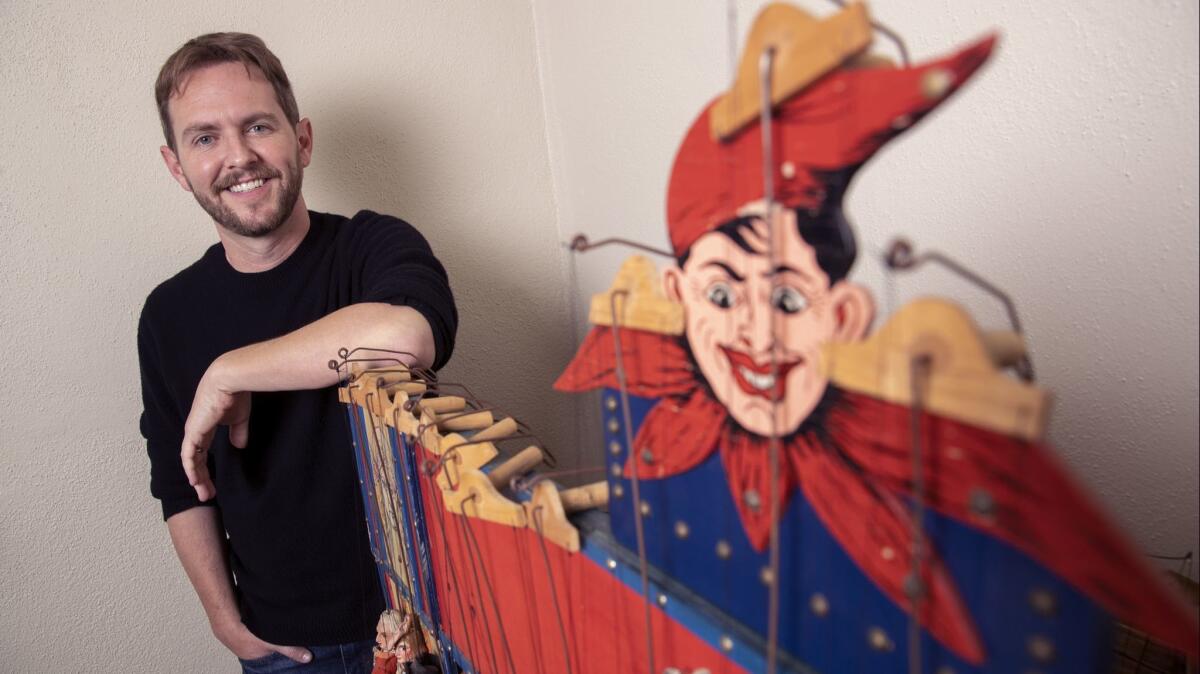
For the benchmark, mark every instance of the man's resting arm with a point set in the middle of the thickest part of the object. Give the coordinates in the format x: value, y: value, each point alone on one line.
x: 295, y: 361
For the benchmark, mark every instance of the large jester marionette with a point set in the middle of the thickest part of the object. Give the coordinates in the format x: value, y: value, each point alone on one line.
x: 786, y: 501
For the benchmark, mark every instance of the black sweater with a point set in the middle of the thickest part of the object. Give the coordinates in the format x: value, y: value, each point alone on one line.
x: 289, y: 501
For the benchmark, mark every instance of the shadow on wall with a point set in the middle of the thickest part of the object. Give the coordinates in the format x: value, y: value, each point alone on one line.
x: 515, y: 333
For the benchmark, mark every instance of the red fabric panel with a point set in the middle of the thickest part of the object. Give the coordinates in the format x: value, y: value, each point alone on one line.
x: 602, y: 618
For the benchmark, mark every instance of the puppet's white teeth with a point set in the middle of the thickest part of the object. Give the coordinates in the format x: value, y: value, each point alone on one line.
x: 761, y: 382
x: 247, y: 186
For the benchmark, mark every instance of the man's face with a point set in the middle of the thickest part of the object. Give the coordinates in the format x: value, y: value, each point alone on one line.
x: 740, y: 309
x: 235, y: 150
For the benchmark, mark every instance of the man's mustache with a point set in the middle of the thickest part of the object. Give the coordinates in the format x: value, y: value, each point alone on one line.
x: 230, y: 181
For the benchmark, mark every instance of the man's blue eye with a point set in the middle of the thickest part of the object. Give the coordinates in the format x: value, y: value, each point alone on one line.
x: 203, y: 140
x: 258, y: 128
x: 720, y: 294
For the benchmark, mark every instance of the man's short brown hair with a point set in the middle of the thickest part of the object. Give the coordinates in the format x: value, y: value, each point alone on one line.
x: 214, y: 48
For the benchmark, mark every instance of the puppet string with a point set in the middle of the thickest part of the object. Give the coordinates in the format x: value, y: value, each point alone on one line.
x: 765, y: 66
x: 487, y: 626
x: 562, y: 630
x: 633, y: 478
x: 476, y: 554
x: 918, y: 375
x: 391, y: 510
x: 451, y: 573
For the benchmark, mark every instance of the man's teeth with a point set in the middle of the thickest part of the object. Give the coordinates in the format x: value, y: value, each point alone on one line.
x: 247, y: 186
x: 761, y: 382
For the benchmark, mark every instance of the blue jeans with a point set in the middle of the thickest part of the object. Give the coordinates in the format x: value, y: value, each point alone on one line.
x: 352, y: 658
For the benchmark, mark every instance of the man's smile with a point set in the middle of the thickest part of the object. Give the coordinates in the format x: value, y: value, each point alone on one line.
x: 759, y: 380
x: 247, y: 186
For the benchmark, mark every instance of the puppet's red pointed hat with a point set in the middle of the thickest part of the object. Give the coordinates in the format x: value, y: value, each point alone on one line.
x: 821, y: 135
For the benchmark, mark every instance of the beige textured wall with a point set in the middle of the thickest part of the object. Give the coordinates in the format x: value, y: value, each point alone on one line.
x: 428, y: 110
x: 1072, y: 185
x: 1066, y: 173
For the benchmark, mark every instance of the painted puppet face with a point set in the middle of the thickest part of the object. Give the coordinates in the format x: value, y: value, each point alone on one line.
x: 235, y: 150
x: 756, y: 328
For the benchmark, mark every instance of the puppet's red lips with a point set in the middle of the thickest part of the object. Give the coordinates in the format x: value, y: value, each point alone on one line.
x: 759, y: 379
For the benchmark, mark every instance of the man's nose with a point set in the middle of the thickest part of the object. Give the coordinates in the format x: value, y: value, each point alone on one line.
x: 240, y: 153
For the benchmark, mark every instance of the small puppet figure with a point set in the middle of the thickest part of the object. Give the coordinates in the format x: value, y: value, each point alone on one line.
x: 395, y: 636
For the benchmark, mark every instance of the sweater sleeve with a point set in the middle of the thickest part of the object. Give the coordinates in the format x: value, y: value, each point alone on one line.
x: 398, y: 267
x: 162, y: 427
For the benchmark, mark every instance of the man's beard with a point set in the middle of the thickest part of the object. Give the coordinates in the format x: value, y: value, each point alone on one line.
x: 224, y: 216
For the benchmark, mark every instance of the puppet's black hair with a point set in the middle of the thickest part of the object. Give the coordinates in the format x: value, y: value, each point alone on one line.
x: 825, y: 228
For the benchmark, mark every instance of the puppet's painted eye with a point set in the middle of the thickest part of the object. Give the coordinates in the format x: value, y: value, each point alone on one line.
x: 720, y: 294
x: 788, y: 300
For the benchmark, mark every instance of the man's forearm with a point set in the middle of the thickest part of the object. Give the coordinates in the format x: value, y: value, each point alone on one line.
x: 299, y: 359
x: 200, y: 544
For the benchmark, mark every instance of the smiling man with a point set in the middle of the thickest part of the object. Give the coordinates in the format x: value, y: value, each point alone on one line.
x: 247, y: 446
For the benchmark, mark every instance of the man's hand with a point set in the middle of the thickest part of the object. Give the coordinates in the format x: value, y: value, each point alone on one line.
x: 214, y: 405
x: 246, y: 646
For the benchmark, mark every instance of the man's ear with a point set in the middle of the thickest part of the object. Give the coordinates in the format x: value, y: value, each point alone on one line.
x: 304, y: 137
x: 673, y: 283
x: 853, y: 311
x: 172, y: 162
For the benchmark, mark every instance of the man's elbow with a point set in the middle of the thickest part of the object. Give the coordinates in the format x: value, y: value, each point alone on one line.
x: 406, y: 332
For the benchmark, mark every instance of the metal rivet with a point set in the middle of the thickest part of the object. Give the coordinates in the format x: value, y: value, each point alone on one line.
x: 612, y: 563
x: 766, y: 575
x: 752, y: 499
x: 672, y: 670
x: 1040, y: 648
x: 1043, y: 602
x: 702, y: 670
x: 726, y: 643
x: 662, y: 600
x: 888, y: 553
x: 982, y: 504
x: 879, y: 640
x: 953, y: 452
x: 647, y: 456
x: 839, y: 86
x: 614, y: 447
x: 613, y: 426
x: 616, y: 470
x: 610, y: 403
x: 723, y: 550
x: 936, y: 83
x: 618, y: 491
x: 913, y: 587
x: 644, y: 509
x: 682, y: 530
x: 819, y: 605
x: 788, y: 169
x: 902, y: 122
